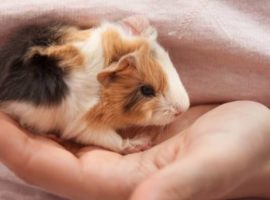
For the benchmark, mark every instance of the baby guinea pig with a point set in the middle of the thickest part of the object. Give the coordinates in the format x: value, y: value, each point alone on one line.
x: 87, y: 83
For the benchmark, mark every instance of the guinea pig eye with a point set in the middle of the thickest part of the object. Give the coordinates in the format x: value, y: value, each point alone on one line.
x: 147, y: 91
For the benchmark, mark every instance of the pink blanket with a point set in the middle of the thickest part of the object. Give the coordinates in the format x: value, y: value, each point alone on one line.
x: 200, y: 35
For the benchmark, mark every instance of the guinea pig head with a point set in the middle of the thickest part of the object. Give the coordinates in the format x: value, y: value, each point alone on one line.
x: 137, y: 90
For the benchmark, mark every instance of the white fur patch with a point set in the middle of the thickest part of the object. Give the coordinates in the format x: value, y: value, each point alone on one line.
x: 176, y: 95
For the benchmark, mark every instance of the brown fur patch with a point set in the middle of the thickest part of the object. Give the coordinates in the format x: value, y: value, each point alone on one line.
x: 69, y: 56
x: 124, y: 90
x: 73, y: 35
x: 115, y: 46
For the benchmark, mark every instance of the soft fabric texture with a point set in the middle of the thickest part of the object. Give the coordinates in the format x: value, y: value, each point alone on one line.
x: 214, y: 35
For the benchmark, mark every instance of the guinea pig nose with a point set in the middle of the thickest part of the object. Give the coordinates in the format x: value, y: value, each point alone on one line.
x: 178, y: 111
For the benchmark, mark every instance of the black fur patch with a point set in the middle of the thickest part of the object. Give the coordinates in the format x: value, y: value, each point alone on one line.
x: 37, y: 80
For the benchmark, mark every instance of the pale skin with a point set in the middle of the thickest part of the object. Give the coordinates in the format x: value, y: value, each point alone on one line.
x: 224, y: 154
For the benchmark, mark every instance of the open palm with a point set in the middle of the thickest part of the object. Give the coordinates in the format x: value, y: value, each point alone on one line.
x: 215, y: 157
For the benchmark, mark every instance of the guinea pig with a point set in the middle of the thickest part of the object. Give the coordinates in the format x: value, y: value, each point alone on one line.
x: 88, y: 83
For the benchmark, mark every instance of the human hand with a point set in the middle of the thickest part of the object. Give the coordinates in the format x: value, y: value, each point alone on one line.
x: 205, y: 161
x: 224, y: 154
x: 86, y: 173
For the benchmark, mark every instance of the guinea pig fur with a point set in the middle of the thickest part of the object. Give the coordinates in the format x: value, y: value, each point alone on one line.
x: 86, y: 83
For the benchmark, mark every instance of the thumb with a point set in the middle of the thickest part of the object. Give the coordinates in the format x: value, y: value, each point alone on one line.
x: 188, y: 179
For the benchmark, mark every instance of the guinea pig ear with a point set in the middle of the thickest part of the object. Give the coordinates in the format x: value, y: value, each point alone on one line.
x: 140, y: 25
x: 112, y: 72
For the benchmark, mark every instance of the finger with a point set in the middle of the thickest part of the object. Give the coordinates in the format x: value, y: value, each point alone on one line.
x: 38, y: 161
x: 188, y: 179
x: 92, y: 174
x: 201, y: 174
x: 217, y: 163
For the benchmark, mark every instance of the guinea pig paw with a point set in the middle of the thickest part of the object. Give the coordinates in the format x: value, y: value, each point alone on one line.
x: 136, y: 145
